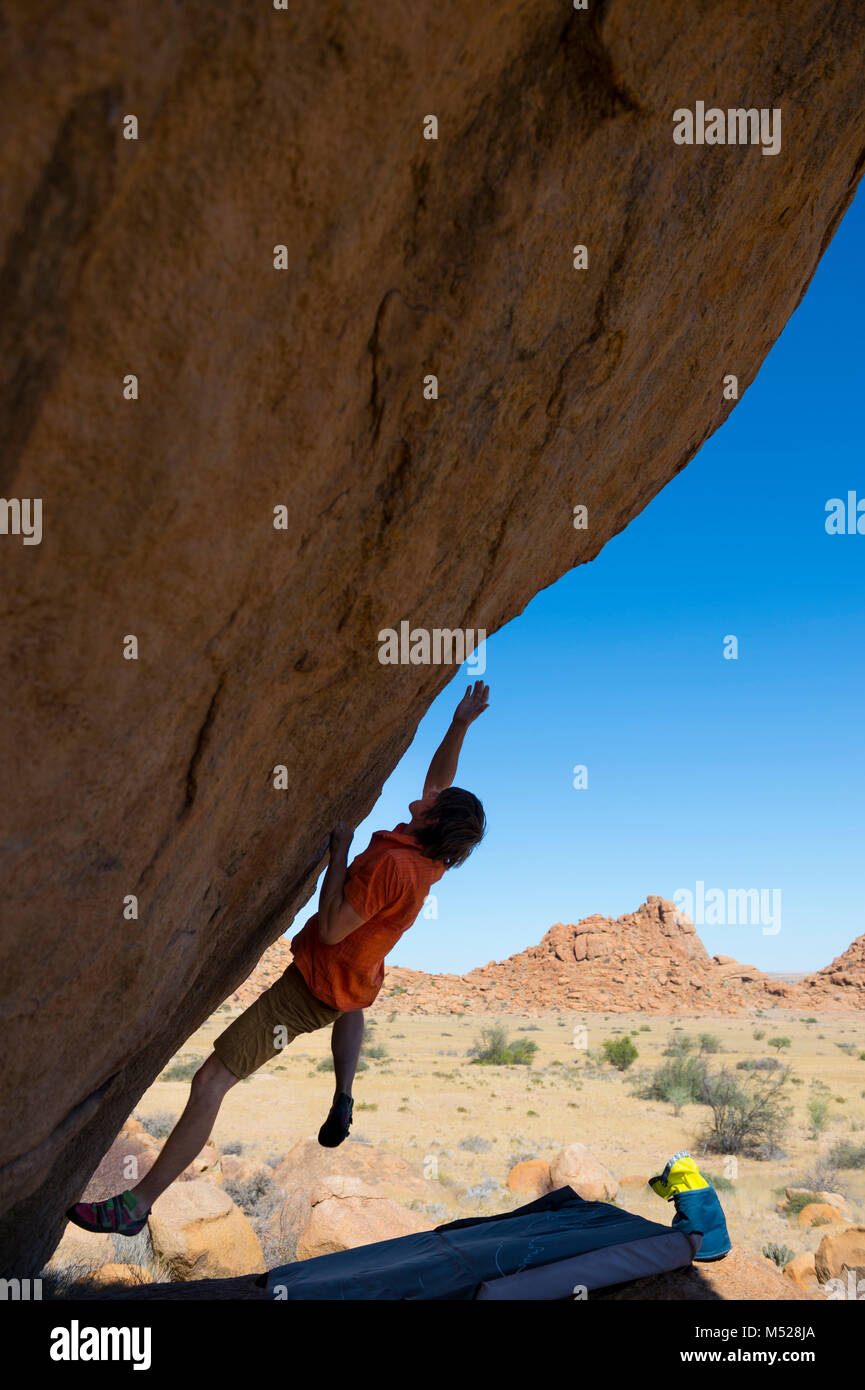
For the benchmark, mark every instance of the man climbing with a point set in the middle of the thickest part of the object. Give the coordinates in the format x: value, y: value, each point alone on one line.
x: 336, y: 972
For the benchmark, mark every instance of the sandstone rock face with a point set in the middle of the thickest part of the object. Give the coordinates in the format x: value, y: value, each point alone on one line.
x: 200, y: 1234
x: 577, y: 1167
x: 302, y: 388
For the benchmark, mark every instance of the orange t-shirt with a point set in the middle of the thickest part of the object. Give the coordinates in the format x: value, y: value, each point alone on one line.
x: 386, y: 885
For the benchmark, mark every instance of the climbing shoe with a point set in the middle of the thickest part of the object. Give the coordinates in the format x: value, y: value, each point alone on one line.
x: 111, y: 1217
x: 337, y: 1124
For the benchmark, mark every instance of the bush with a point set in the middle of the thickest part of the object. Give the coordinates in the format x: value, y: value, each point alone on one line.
x: 758, y: 1064
x: 158, y: 1125
x: 848, y: 1155
x: 780, y: 1255
x: 799, y: 1201
x: 677, y: 1081
x: 759, y: 1034
x: 818, y: 1114
x: 709, y: 1042
x: 680, y: 1047
x: 720, y: 1183
x: 747, y: 1117
x: 779, y: 1043
x: 494, y: 1049
x: 475, y: 1144
x: 256, y: 1196
x: 234, y: 1146
x: 378, y: 1051
x: 620, y: 1052
x: 181, y: 1069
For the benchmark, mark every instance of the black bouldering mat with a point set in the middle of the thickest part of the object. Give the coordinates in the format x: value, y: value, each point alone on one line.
x: 544, y: 1250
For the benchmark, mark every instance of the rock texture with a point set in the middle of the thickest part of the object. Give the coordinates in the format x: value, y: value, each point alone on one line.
x: 303, y: 388
x: 651, y: 960
x: 740, y: 1275
x: 346, y: 1212
x: 199, y: 1233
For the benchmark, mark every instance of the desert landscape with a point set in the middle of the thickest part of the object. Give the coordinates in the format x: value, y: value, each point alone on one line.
x: 440, y: 1133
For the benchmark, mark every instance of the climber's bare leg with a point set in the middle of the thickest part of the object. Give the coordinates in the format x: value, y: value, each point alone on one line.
x: 345, y: 1042
x: 189, y: 1136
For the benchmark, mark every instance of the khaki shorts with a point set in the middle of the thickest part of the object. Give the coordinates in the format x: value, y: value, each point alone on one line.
x: 269, y: 1024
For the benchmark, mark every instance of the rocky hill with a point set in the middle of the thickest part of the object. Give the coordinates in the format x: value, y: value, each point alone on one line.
x: 651, y: 960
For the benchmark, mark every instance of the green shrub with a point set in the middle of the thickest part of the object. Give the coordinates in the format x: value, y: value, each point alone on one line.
x: 678, y: 1081
x: 680, y: 1047
x: 845, y: 1154
x: 779, y: 1043
x: 709, y: 1042
x: 759, y: 1034
x: 747, y: 1117
x: 495, y: 1050
x: 620, y: 1052
x: 798, y: 1201
x: 818, y: 1114
x: 758, y: 1064
x: 780, y: 1255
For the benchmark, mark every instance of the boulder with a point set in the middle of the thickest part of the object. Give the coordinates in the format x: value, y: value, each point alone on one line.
x: 818, y: 1213
x: 82, y: 1249
x: 347, y: 1212
x: 740, y: 1276
x: 204, y: 1165
x: 199, y: 1233
x: 530, y: 1179
x: 839, y: 1252
x: 284, y: 1226
x: 577, y: 1167
x: 307, y: 1163
x: 131, y: 1155
x: 279, y: 491
x: 802, y: 1272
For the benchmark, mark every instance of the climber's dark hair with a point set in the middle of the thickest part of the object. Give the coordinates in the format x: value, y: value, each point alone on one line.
x: 456, y: 824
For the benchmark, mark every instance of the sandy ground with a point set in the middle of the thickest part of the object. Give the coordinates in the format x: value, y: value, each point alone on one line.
x: 426, y: 1098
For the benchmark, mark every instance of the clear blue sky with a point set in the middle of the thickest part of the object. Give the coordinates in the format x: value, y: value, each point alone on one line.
x: 742, y: 774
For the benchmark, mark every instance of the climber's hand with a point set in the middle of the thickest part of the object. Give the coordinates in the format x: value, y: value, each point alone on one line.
x: 473, y: 703
x: 340, y: 838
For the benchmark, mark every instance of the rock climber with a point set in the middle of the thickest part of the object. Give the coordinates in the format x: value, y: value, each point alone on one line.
x: 336, y: 971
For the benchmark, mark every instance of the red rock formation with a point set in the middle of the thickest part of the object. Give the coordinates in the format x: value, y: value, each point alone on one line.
x: 651, y: 961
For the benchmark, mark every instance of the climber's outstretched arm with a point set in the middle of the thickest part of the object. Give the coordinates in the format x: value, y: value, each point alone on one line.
x: 336, y: 919
x: 443, y: 768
